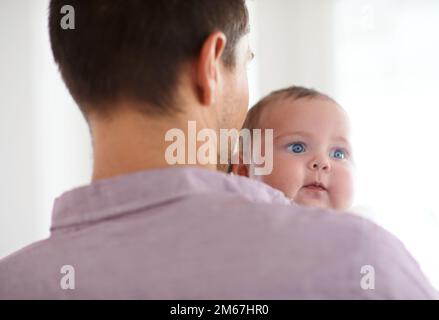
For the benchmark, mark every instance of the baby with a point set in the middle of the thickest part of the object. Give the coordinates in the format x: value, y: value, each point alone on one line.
x: 312, y: 157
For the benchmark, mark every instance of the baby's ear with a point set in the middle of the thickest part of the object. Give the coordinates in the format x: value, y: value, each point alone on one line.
x: 240, y: 169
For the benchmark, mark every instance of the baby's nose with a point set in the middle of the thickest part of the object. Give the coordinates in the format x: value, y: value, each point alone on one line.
x: 320, y: 164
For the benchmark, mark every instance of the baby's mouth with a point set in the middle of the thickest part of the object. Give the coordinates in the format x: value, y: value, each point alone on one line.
x: 315, y: 186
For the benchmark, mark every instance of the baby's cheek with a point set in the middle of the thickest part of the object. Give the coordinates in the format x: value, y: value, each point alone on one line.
x: 286, y: 177
x: 277, y: 180
x: 342, y: 188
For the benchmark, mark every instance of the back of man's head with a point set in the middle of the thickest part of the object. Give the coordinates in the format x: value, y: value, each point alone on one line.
x: 132, y: 50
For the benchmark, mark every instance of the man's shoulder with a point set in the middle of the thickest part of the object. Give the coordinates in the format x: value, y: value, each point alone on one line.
x: 24, y: 253
x: 16, y: 267
x: 285, y: 215
x: 329, y: 244
x: 302, y: 251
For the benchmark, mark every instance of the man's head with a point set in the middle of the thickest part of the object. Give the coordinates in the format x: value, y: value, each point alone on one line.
x: 138, y: 68
x: 135, y: 51
x: 312, y: 158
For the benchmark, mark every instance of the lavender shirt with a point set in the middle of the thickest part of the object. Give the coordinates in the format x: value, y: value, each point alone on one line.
x: 189, y: 233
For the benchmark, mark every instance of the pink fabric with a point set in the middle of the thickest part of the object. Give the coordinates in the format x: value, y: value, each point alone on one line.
x: 189, y: 233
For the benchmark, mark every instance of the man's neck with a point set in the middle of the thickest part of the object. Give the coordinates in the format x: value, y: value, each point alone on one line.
x: 128, y: 142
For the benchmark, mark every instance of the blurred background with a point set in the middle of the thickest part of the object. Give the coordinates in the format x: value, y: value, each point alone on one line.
x: 377, y: 58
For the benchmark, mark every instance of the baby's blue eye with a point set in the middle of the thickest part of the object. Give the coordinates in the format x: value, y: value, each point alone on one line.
x: 338, y: 154
x: 297, y: 147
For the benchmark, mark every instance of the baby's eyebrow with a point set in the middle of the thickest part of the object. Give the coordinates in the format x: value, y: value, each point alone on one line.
x: 305, y: 134
x: 344, y: 143
x: 295, y: 133
x: 343, y: 140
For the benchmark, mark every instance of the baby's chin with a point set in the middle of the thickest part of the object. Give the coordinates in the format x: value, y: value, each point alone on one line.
x: 318, y: 203
x: 318, y: 199
x: 313, y: 199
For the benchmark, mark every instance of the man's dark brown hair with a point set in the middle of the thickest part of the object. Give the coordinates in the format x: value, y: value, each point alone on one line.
x: 133, y: 49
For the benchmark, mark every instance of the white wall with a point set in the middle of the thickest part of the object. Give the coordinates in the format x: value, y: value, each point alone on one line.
x: 44, y: 143
x: 17, y: 129
x: 386, y: 74
x: 293, y: 44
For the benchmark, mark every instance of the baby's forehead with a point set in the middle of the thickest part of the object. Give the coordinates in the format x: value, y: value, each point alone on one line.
x: 314, y: 119
x: 288, y: 109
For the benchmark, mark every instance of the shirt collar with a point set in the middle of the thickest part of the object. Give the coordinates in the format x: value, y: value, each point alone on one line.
x: 119, y: 195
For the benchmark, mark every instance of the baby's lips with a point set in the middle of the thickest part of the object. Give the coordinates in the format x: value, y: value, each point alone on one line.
x: 316, y: 186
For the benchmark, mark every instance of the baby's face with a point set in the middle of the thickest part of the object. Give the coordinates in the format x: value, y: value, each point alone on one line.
x: 312, y: 161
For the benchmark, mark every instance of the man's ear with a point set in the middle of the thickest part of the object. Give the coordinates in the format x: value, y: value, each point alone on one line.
x: 208, y: 67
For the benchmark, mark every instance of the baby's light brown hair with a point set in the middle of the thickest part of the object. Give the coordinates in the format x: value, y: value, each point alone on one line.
x: 292, y: 93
